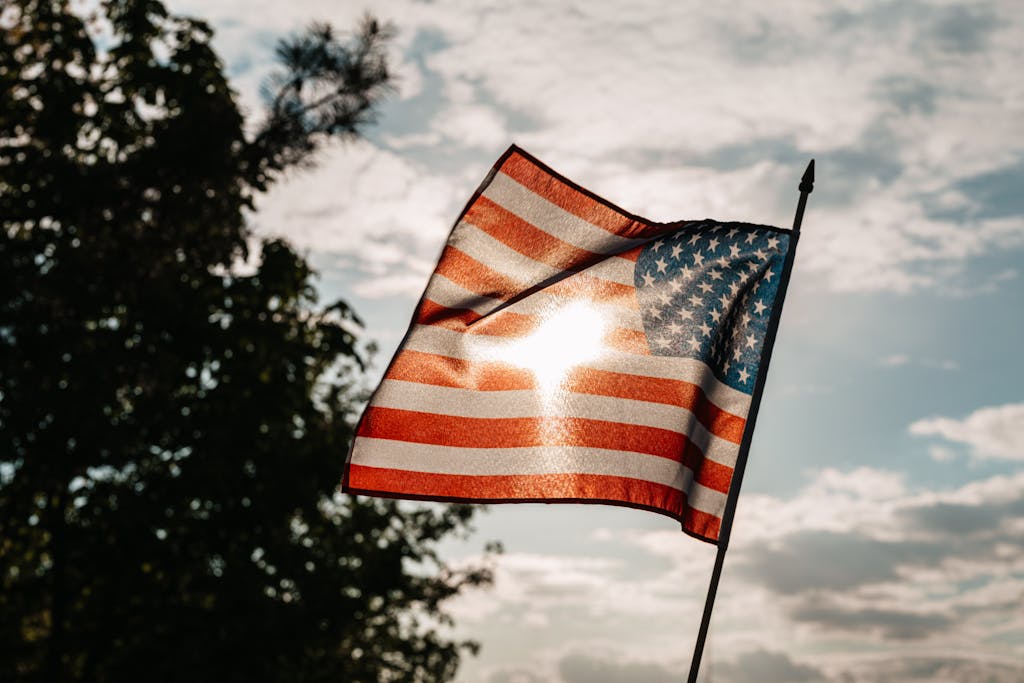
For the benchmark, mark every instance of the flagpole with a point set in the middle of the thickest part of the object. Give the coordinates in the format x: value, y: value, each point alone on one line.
x: 806, y: 187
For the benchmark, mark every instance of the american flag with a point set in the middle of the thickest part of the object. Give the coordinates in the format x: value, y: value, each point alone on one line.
x: 567, y: 351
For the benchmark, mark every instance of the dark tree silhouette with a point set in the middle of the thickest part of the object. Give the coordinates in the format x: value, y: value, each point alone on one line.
x: 172, y: 428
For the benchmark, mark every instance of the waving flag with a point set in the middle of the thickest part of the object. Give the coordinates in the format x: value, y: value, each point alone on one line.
x: 567, y: 351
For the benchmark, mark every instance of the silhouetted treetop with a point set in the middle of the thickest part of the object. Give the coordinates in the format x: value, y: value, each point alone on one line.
x: 173, y: 427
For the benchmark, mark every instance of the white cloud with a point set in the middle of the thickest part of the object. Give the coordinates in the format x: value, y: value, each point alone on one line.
x: 993, y: 432
x: 682, y: 111
x: 854, y: 573
x: 379, y: 213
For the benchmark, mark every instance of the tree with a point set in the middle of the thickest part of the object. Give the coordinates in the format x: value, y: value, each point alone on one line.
x: 172, y: 428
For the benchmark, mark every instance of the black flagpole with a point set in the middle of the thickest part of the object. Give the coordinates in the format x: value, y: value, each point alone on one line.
x: 806, y: 187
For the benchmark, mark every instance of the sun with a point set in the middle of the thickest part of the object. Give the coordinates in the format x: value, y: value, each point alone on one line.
x: 568, y: 336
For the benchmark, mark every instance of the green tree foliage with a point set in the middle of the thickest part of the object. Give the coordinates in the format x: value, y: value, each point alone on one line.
x: 172, y: 428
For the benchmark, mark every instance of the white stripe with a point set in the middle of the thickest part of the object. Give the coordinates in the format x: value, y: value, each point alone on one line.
x: 484, y: 248
x: 500, y: 257
x: 553, y: 219
x: 614, y: 268
x: 472, y: 347
x: 449, y: 294
x: 426, y: 398
x: 433, y: 459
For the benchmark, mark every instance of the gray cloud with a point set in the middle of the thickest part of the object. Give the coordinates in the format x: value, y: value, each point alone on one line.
x: 910, y: 94
x: 749, y: 667
x: 962, y: 519
x: 821, y: 560
x: 963, y: 30
x: 765, y: 667
x: 580, y: 668
x: 516, y: 676
x: 930, y: 669
x: 892, y: 624
x: 936, y: 30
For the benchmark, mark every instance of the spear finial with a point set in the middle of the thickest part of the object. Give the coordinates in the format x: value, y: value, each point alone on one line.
x: 806, y: 187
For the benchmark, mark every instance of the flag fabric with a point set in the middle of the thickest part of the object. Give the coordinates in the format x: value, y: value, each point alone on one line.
x: 567, y: 351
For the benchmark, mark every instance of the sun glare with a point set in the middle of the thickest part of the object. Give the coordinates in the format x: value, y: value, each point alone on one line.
x: 569, y: 335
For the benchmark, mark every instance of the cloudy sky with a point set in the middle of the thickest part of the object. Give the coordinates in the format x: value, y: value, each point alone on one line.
x: 880, y: 536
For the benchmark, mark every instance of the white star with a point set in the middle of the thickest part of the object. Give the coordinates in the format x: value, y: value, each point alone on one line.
x: 751, y: 237
x: 722, y: 261
x: 698, y: 259
x: 752, y: 267
x: 665, y: 298
x: 656, y: 313
x: 725, y: 301
x: 715, y: 315
x: 769, y: 275
x: 725, y: 368
x: 705, y: 329
x: 648, y: 279
x: 662, y: 265
x: 685, y: 314
x: 685, y: 272
x: 694, y: 344
x: 760, y: 253
x: 696, y: 301
x: 751, y: 340
x: 694, y: 238
x: 759, y: 307
x: 737, y: 353
x: 734, y: 288
x: 732, y: 233
x: 663, y: 342
x: 676, y: 250
x: 734, y: 251
x: 715, y: 274
x: 773, y: 243
x: 744, y: 376
x: 675, y: 285
x: 657, y: 245
x: 675, y: 328
x: 713, y: 244
x: 705, y: 287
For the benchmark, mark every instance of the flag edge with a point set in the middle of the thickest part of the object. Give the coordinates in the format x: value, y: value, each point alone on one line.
x: 523, y: 501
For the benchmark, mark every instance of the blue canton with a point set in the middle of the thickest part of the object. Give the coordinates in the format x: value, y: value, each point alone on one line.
x: 707, y: 292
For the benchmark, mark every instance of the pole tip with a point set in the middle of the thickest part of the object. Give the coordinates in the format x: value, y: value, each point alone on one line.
x: 807, y: 181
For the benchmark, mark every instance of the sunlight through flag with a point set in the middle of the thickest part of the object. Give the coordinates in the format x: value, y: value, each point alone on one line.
x: 567, y: 351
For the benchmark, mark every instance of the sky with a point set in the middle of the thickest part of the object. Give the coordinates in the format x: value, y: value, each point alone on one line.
x: 880, y: 534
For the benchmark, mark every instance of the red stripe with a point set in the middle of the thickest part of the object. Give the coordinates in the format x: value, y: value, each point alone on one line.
x: 658, y: 390
x: 504, y: 323
x: 427, y: 368
x: 578, y: 203
x: 535, y: 487
x: 442, y: 371
x: 584, y: 286
x: 470, y: 274
x: 527, y: 238
x: 627, y: 341
x: 527, y: 432
x: 478, y: 278
x: 507, y: 323
x: 631, y: 254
